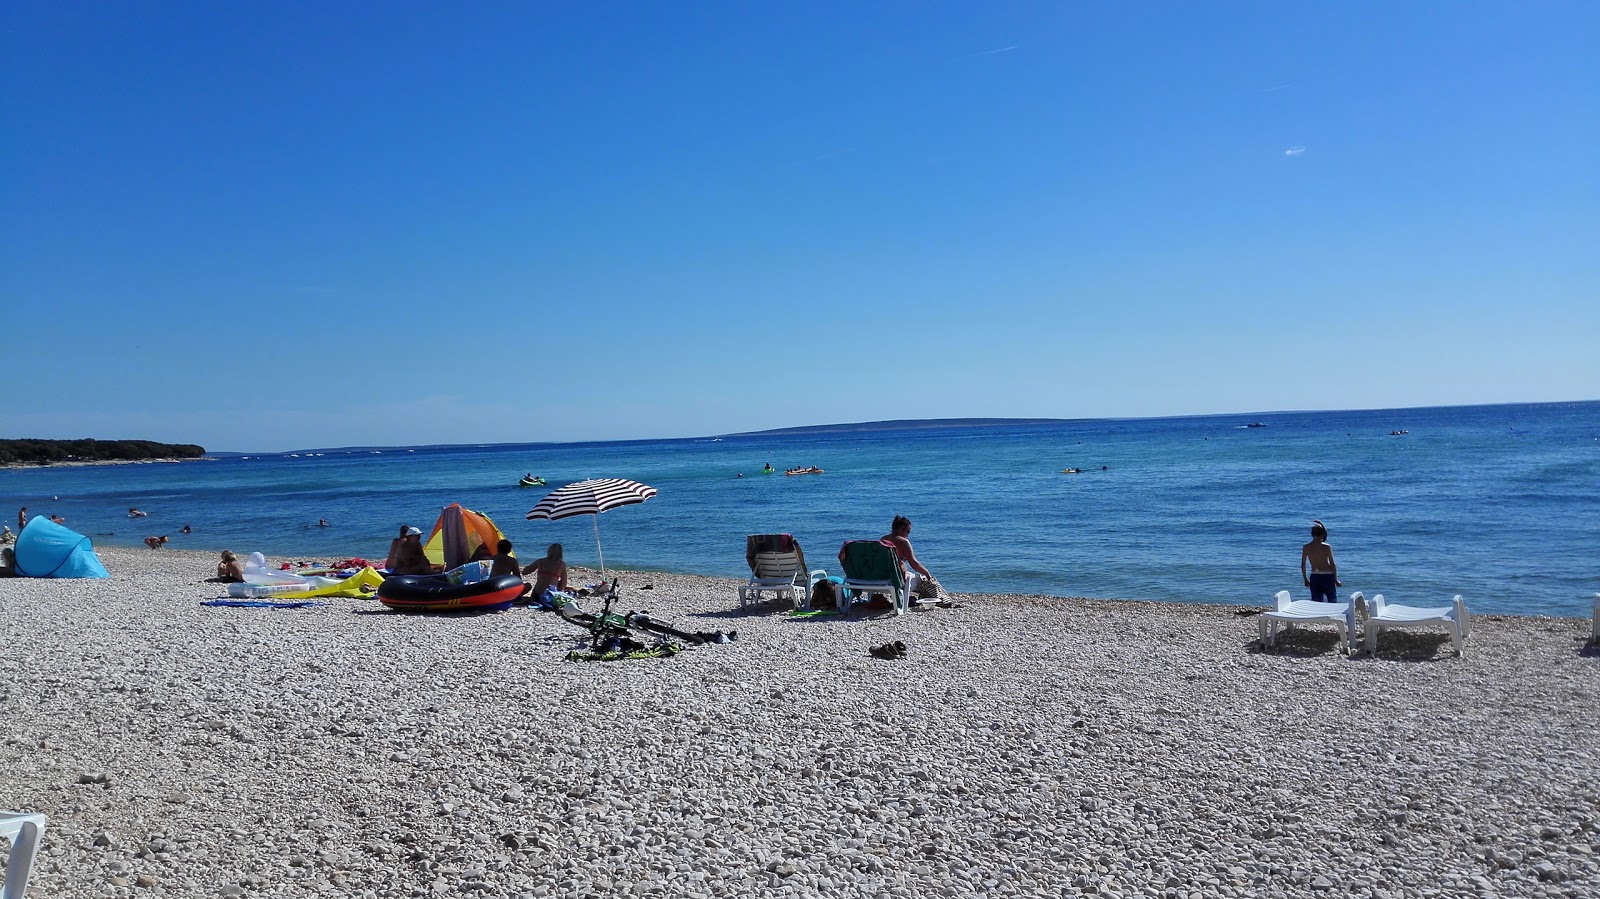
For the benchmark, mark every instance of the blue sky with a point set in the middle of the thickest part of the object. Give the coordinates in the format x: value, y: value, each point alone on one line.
x: 267, y: 226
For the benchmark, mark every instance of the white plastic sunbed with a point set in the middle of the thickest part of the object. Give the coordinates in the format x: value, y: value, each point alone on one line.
x: 782, y: 575
x: 1596, y: 637
x: 1308, y: 611
x: 1382, y: 615
x: 23, y: 830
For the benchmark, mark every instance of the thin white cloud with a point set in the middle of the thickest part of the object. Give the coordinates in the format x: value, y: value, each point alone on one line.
x: 1295, y: 151
x: 994, y: 51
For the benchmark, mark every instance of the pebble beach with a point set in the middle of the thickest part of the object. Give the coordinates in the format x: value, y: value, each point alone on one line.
x: 1025, y: 746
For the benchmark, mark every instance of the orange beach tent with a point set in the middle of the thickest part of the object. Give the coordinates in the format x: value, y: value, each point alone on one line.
x: 458, y: 534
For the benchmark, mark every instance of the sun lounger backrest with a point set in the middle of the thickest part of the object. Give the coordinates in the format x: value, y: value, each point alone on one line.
x: 871, y: 560
x: 756, y: 544
x: 772, y: 565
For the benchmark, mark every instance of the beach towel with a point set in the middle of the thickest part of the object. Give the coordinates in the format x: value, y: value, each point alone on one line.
x: 871, y: 560
x: 803, y: 614
x: 767, y: 543
x: 260, y: 604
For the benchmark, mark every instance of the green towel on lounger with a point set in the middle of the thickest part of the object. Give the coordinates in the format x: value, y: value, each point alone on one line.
x: 870, y: 560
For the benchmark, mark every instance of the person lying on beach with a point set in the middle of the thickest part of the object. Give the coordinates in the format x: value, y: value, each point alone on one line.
x: 410, y: 558
x: 231, y: 568
x: 1324, y: 574
x: 550, y: 571
x: 923, y: 584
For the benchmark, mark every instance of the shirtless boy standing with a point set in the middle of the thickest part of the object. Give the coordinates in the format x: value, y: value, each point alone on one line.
x: 1324, y: 574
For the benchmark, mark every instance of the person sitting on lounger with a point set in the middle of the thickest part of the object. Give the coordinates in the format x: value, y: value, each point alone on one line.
x: 926, y: 586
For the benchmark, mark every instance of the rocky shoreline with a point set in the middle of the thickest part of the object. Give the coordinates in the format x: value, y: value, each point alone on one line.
x: 1026, y: 746
x: 89, y: 463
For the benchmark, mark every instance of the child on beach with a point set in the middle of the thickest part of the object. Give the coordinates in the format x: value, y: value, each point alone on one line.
x: 504, y: 563
x: 1324, y: 574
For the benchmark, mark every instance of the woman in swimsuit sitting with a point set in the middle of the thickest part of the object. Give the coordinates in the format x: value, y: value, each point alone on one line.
x: 548, y: 572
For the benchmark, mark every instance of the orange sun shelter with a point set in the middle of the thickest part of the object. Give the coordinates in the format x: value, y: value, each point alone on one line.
x: 458, y: 534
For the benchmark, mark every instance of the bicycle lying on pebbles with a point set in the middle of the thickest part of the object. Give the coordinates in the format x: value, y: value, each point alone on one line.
x: 612, y: 634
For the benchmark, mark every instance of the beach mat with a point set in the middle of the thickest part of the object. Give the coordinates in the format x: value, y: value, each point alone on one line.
x: 805, y: 614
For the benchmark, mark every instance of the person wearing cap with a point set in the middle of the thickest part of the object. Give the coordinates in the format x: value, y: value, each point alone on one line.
x: 409, y: 557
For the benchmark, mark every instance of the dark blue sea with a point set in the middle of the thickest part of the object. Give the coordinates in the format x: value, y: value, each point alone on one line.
x: 1498, y: 503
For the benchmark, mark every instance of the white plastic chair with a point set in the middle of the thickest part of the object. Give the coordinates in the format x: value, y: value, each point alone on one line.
x: 24, y: 832
x: 1308, y: 611
x: 780, y: 574
x: 1382, y: 615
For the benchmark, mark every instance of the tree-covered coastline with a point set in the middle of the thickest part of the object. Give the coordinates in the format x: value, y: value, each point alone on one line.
x: 50, y: 452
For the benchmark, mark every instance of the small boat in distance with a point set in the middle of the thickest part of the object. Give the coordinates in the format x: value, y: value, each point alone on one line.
x: 1400, y: 433
x: 1256, y: 424
x: 1072, y: 471
x: 810, y: 470
x: 528, y: 480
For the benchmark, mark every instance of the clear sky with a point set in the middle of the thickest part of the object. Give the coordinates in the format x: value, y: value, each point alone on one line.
x: 264, y: 226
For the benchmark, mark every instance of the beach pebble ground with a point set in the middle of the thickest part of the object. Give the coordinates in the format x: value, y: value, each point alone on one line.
x: 1024, y: 746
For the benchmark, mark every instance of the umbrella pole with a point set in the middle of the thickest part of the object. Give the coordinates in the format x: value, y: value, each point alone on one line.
x: 597, y: 548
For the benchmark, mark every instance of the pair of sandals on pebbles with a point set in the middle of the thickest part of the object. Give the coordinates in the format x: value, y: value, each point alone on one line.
x: 888, y: 651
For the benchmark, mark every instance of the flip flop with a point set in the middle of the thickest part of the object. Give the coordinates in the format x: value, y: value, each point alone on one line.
x: 885, y: 652
x: 899, y: 649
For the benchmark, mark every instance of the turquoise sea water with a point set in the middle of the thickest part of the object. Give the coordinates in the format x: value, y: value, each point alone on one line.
x: 1498, y: 503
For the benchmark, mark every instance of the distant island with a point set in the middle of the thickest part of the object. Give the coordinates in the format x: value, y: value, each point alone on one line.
x: 903, y: 424
x: 53, y: 452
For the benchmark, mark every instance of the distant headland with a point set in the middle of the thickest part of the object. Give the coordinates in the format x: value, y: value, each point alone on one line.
x: 903, y: 424
x: 93, y: 452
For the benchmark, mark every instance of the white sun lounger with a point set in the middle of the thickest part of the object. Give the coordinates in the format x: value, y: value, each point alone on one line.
x: 23, y: 830
x: 1308, y: 611
x: 1382, y: 615
x: 782, y: 575
x: 1596, y: 636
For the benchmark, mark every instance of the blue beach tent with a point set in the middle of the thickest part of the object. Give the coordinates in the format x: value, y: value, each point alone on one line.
x: 46, y: 549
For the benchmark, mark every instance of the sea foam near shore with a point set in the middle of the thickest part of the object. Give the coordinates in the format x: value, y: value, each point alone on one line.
x: 1025, y: 746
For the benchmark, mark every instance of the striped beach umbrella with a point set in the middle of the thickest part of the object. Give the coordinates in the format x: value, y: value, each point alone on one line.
x: 591, y: 498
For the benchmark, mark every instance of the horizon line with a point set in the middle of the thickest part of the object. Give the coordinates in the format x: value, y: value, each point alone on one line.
x: 929, y: 422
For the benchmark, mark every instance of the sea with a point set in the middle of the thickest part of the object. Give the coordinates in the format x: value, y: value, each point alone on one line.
x: 1496, y: 503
